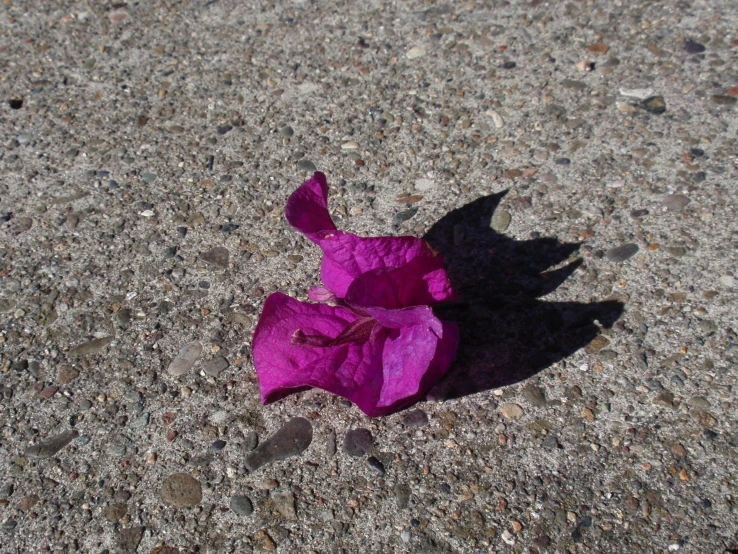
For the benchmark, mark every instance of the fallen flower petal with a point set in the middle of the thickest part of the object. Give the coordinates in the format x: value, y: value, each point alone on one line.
x: 374, y: 338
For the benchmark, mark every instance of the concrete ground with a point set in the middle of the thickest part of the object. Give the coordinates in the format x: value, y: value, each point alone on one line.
x: 574, y: 161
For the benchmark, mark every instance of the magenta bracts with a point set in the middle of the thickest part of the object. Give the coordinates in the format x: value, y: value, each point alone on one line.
x: 373, y: 338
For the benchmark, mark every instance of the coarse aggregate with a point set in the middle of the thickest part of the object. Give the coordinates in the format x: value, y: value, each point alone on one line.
x: 575, y: 162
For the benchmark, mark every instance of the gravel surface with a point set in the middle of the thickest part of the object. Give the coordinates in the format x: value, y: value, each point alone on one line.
x: 576, y: 164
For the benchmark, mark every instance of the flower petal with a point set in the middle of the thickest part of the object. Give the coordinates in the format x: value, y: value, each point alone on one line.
x: 390, y: 369
x: 346, y: 256
x: 413, y: 360
x: 352, y: 370
x: 418, y: 282
x: 307, y: 207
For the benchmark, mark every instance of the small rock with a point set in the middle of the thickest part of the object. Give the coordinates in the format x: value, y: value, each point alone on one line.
x: 639, y: 93
x: 215, y: 366
x: 217, y: 256
x: 284, y: 502
x: 250, y: 441
x: 598, y: 48
x: 48, y: 392
x: 28, y: 502
x: 351, y: 145
x: 148, y: 177
x: 597, y: 344
x: 724, y: 100
x: 621, y: 253
x: 181, y: 490
x: 692, y: 47
x: 496, y: 118
x: 534, y: 396
x: 91, y: 347
x: 500, y: 220
x: 141, y: 421
x: 21, y: 225
x: 415, y: 418
x: 292, y: 439
x: 358, y: 442
x: 129, y: 539
x: 286, y: 131
x: 51, y: 446
x: 655, y: 105
x: 218, y: 445
x: 511, y: 411
x: 267, y: 542
x: 242, y: 505
x: 306, y: 165
x: 666, y: 398
x: 374, y: 463
x: 402, y: 495
x: 415, y: 53
x: 675, y: 202
x: 703, y: 418
x: 114, y: 512
x: 185, y: 359
x: 403, y: 216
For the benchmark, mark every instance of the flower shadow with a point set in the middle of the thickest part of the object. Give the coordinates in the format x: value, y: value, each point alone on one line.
x: 507, y: 333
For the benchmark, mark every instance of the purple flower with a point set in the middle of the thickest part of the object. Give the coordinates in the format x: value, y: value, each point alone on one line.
x: 373, y: 339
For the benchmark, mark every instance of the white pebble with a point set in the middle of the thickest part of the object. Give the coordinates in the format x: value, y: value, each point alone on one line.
x: 415, y: 52
x: 496, y: 117
x: 640, y: 93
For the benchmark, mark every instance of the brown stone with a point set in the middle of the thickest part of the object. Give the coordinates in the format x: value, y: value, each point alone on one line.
x: 181, y: 490
x: 66, y: 374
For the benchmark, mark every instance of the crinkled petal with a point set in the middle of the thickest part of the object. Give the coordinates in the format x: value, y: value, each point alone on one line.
x: 414, y: 359
x: 419, y: 350
x: 352, y: 370
x: 347, y: 256
x: 307, y: 207
x: 418, y: 282
x: 405, y: 354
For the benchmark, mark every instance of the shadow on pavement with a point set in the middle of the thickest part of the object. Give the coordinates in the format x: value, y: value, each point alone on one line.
x: 507, y: 333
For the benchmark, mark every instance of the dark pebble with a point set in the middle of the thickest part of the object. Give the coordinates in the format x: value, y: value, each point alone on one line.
x: 375, y: 464
x: 405, y: 215
x: 692, y: 47
x: 218, y: 445
x: 292, y: 439
x: 638, y: 213
x: 358, y: 442
x: 655, y: 105
x: 223, y: 129
x: 217, y: 256
x: 306, y: 165
x: 697, y: 152
x: 724, y: 100
x: 562, y: 161
x: 242, y: 505
x: 621, y: 253
x: 415, y: 418
x: 50, y: 447
x: 16, y: 103
x: 229, y: 227
x: 509, y: 65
